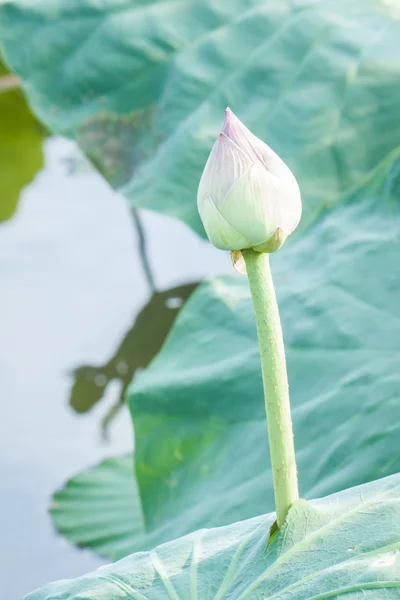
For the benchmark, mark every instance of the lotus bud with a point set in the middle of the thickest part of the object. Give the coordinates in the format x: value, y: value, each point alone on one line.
x: 247, y: 196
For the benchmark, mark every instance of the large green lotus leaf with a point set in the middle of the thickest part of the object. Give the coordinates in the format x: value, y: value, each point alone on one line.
x: 343, y: 546
x: 142, y: 86
x: 201, y: 438
x: 21, y: 139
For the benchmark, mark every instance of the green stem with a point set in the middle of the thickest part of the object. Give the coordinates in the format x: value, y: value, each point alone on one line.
x: 276, y: 387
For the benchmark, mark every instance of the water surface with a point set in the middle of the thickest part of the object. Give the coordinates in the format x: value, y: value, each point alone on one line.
x: 72, y: 283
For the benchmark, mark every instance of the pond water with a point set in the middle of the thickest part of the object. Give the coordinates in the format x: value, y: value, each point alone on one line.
x: 72, y: 281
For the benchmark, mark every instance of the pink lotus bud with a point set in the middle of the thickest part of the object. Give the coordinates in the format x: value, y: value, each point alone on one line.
x: 247, y: 197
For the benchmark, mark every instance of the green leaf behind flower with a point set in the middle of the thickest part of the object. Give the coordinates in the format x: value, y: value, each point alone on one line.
x: 142, y: 86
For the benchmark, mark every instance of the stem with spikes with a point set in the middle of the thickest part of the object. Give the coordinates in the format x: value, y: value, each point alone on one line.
x: 275, y: 382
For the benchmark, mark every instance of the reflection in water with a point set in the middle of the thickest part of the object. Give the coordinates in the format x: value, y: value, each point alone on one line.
x: 142, y: 248
x: 138, y: 347
x: 20, y: 143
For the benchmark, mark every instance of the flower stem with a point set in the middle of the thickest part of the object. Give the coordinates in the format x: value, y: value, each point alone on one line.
x: 276, y: 387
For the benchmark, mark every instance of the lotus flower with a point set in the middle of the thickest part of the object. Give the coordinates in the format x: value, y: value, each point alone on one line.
x: 247, y: 196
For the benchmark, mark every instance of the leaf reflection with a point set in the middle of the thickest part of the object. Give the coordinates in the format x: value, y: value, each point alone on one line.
x: 140, y: 344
